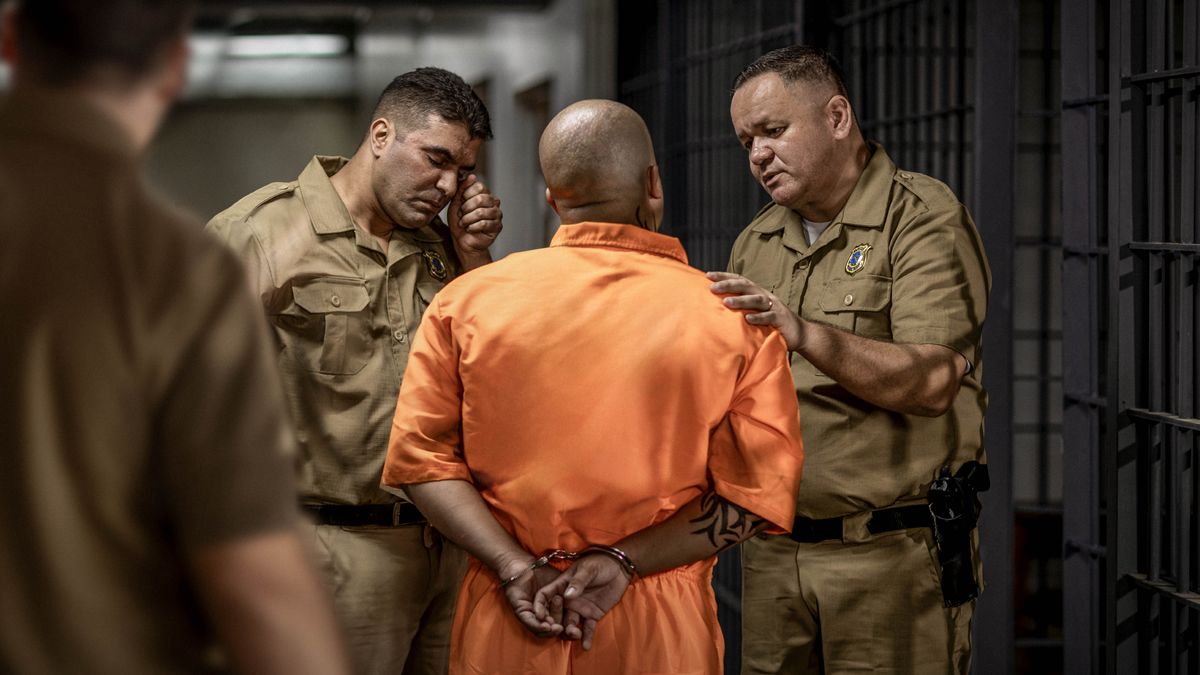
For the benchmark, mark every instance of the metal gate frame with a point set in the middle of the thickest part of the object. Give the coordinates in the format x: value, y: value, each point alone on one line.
x: 1131, y: 79
x: 996, y: 40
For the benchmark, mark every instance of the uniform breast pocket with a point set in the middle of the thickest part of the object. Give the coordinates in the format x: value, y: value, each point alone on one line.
x: 859, y: 304
x: 328, y: 329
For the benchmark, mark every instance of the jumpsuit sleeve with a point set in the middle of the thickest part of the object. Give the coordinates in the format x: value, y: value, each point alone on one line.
x: 426, y: 438
x: 756, y: 453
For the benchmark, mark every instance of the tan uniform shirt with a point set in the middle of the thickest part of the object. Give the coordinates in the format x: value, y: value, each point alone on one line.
x: 919, y: 276
x: 140, y: 413
x: 344, y: 311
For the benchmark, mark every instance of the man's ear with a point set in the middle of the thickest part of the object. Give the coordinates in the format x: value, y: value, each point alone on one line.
x: 173, y: 75
x: 654, y: 188
x: 654, y: 198
x: 841, y: 116
x: 379, y: 135
x: 553, y: 204
x: 8, y: 33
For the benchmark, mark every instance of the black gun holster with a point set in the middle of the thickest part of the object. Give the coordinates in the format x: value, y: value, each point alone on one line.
x: 954, y: 505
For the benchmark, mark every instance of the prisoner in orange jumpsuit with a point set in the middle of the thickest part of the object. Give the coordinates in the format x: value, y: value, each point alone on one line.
x: 594, y: 393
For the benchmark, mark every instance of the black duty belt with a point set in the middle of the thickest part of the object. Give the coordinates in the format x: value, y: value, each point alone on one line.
x: 811, y: 531
x: 351, y: 515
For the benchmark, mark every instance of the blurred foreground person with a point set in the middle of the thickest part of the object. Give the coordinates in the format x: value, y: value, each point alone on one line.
x: 344, y: 260
x: 148, y: 509
x: 594, y: 402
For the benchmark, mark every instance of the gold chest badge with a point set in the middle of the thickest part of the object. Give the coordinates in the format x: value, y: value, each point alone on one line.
x: 857, y: 259
x: 435, y: 264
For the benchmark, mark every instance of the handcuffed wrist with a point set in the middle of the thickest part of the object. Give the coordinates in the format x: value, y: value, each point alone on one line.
x: 513, y: 567
x: 614, y: 553
x: 559, y: 554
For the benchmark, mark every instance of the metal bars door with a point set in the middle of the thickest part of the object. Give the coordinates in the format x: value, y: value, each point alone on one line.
x: 909, y: 66
x: 1131, y: 80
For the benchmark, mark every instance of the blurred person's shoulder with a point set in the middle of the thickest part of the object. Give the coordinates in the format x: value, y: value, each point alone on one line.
x: 177, y: 266
x: 179, y: 234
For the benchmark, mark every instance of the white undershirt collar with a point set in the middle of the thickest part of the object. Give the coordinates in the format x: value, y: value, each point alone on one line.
x: 813, y: 230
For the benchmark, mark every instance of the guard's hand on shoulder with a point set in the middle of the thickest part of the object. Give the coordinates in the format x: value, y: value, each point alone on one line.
x: 475, y: 220
x: 762, y: 307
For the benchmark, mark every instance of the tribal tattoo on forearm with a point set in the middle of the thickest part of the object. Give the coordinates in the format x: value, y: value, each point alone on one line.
x: 724, y: 523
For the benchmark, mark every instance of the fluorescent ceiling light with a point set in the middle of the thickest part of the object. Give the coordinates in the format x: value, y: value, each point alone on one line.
x: 260, y: 46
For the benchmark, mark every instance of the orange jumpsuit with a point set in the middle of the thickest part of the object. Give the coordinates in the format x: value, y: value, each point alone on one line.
x: 588, y: 390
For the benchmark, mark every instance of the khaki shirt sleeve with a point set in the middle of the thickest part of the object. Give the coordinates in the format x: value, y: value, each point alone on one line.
x: 939, y: 281
x: 426, y: 438
x: 228, y: 460
x: 735, y: 254
x: 239, y: 237
x: 756, y: 453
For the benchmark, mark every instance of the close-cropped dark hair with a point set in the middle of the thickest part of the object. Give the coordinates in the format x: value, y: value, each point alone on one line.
x: 411, y: 97
x: 65, y: 41
x: 797, y: 63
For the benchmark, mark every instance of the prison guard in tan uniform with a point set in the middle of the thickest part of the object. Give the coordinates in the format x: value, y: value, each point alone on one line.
x: 344, y: 311
x: 868, y: 603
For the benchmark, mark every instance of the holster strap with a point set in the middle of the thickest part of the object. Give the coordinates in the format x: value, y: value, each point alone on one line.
x: 352, y: 515
x: 900, y: 518
x: 811, y: 531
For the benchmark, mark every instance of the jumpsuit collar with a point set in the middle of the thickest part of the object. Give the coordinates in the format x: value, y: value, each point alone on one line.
x: 617, y: 235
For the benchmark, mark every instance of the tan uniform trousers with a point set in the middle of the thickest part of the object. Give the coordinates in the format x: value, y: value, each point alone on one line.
x: 394, y: 592
x: 871, y: 606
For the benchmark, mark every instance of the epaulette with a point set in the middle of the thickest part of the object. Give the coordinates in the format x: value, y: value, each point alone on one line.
x: 267, y: 193
x: 926, y: 188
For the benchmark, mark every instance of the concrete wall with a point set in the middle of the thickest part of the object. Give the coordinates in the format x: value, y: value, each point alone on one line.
x: 211, y: 153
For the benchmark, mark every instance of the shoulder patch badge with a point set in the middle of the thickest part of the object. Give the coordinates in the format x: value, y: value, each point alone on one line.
x: 435, y: 265
x: 858, y: 258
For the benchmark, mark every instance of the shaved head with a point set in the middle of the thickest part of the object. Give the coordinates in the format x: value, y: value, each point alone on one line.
x: 597, y: 158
